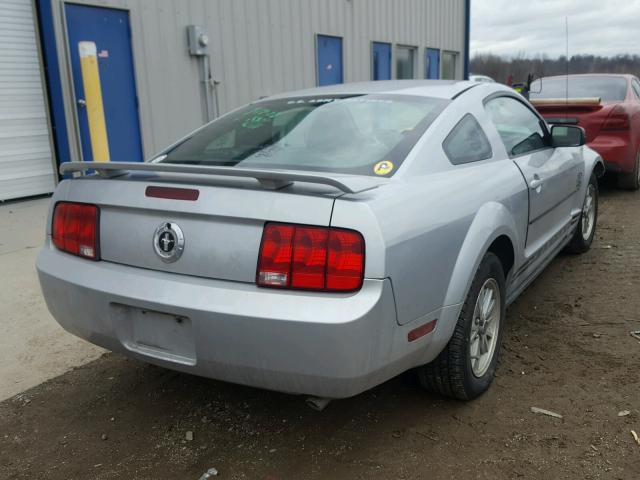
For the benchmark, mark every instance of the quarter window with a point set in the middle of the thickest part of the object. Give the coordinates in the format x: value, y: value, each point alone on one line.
x: 520, y: 129
x: 467, y: 142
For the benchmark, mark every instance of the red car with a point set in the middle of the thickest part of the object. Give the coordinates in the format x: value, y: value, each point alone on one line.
x: 607, y: 106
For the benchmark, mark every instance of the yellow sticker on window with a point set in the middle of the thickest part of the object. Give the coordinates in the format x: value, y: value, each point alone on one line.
x: 383, y: 167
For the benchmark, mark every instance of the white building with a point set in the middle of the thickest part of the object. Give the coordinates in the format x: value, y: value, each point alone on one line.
x: 154, y: 78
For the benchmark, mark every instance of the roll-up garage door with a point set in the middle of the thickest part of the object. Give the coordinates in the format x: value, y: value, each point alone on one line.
x: 26, y: 167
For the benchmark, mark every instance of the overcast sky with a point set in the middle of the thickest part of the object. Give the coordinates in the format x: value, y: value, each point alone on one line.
x: 599, y: 27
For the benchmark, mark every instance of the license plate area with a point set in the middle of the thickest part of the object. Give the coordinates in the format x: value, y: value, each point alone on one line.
x: 155, y: 334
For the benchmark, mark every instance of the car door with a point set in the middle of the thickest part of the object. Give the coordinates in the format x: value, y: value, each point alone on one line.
x: 553, y: 175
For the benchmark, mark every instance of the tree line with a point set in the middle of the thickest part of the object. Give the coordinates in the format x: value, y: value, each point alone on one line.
x: 520, y: 66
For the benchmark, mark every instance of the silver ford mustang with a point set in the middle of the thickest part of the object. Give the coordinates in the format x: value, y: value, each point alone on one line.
x: 324, y: 241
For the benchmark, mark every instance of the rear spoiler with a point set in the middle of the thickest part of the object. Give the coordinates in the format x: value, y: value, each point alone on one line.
x: 271, y: 179
x: 561, y: 102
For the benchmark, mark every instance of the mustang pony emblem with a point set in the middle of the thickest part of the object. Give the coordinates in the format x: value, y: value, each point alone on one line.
x: 168, y: 242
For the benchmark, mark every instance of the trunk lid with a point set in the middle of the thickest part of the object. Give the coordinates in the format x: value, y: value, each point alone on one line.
x: 222, y: 228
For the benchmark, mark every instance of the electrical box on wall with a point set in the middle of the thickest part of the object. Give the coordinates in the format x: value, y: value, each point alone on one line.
x: 198, y: 40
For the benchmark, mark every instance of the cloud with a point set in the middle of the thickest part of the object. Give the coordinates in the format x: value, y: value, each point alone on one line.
x: 513, y: 27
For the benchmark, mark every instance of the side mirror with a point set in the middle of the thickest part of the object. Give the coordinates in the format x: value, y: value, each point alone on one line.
x: 567, y: 136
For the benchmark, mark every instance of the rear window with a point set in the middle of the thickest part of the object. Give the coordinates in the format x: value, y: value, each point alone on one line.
x: 365, y: 134
x: 609, y: 89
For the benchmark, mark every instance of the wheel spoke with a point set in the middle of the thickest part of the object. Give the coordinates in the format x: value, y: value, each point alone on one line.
x: 480, y: 302
x: 489, y: 315
x: 483, y: 345
x: 488, y: 303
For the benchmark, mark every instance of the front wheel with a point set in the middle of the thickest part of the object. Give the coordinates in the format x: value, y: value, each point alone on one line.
x: 586, y: 229
x: 466, y: 366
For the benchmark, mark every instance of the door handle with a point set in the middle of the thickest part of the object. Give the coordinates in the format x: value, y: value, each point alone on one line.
x: 536, y: 184
x: 82, y: 102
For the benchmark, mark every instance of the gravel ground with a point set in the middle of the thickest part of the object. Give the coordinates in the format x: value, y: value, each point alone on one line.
x: 567, y: 349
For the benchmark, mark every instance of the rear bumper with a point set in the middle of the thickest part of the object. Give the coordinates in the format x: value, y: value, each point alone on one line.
x: 617, y: 151
x: 329, y: 345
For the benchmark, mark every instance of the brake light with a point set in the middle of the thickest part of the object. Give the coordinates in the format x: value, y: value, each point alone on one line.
x: 310, y: 258
x: 618, y: 119
x: 75, y: 229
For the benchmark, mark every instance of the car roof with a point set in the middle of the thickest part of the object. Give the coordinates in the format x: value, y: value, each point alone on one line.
x: 446, y: 89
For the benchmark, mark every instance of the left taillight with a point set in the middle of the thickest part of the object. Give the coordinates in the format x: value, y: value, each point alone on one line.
x: 75, y: 229
x: 310, y: 258
x: 618, y: 119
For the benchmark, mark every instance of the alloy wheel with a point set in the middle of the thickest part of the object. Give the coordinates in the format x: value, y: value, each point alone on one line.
x: 589, y: 212
x: 484, y: 328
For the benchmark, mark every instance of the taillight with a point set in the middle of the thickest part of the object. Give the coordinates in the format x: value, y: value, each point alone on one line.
x: 75, y: 229
x: 618, y: 119
x: 310, y: 258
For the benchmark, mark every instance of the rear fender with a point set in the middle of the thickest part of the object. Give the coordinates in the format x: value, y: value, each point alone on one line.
x: 491, y: 221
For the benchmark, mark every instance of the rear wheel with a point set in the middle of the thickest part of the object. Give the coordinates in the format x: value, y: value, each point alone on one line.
x: 586, y: 229
x: 465, y: 368
x: 631, y: 180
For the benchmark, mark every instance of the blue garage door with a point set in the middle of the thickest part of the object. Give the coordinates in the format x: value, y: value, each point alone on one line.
x: 432, y: 64
x: 329, y: 60
x: 109, y: 30
x: 381, y: 61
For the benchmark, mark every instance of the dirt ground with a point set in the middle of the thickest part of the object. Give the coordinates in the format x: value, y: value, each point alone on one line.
x: 567, y: 349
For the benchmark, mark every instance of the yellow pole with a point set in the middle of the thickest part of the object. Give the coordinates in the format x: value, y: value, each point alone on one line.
x: 93, y: 99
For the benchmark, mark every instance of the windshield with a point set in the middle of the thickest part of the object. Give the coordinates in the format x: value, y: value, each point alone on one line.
x: 366, y: 134
x: 609, y: 89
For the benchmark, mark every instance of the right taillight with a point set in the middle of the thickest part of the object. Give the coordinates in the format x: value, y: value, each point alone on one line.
x: 75, y: 229
x: 310, y: 258
x: 618, y: 119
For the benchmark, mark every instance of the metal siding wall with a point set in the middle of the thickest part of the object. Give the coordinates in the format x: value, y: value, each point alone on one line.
x: 25, y: 149
x: 258, y: 48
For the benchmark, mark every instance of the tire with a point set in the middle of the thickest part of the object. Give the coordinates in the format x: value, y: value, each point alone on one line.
x: 586, y: 228
x: 630, y: 180
x: 456, y: 372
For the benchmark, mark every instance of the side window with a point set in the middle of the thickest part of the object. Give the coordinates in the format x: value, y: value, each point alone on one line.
x: 636, y: 87
x: 467, y: 142
x: 520, y: 129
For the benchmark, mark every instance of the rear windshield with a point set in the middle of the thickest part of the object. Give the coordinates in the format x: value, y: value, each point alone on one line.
x: 365, y: 134
x: 609, y: 89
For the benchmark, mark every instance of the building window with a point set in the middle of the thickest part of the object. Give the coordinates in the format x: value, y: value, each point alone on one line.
x: 405, y: 62
x: 381, y: 61
x: 449, y: 65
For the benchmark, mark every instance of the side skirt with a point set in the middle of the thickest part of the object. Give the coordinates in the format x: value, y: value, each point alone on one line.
x: 521, y: 284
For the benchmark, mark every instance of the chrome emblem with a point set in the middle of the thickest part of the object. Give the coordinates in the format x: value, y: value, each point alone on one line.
x: 168, y: 242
